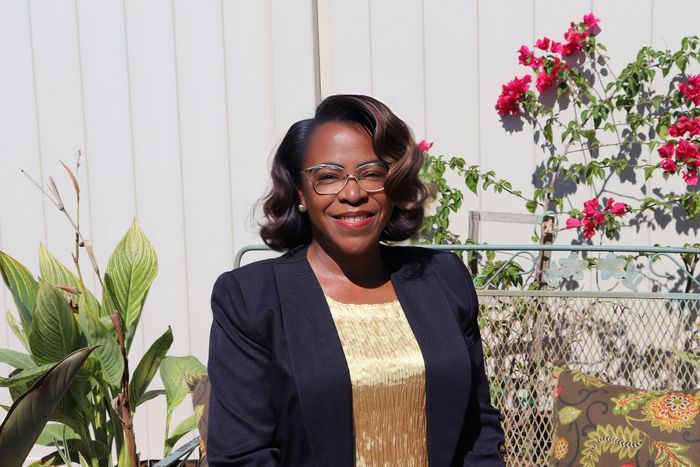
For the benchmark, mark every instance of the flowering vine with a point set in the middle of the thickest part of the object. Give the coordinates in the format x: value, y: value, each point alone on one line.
x: 589, y: 131
x: 593, y: 218
x: 627, y: 107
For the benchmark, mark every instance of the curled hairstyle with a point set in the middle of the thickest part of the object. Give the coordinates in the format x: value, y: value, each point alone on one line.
x: 285, y: 227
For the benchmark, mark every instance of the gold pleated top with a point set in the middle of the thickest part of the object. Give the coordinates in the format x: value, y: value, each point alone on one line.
x: 388, y: 383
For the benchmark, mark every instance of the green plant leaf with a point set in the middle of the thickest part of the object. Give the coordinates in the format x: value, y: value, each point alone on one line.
x: 183, y: 428
x: 17, y: 331
x: 55, y: 430
x: 649, y: 172
x: 548, y: 131
x: 148, y: 366
x: 124, y: 456
x: 531, y: 205
x: 55, y: 273
x: 173, y: 372
x: 129, y: 274
x: 472, y: 180
x: 108, y: 352
x: 30, y: 412
x: 24, y: 378
x: 16, y: 359
x: 22, y: 285
x: 148, y: 395
x: 53, y: 331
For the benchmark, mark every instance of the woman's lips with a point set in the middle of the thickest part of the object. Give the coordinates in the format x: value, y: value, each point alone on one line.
x: 353, y: 220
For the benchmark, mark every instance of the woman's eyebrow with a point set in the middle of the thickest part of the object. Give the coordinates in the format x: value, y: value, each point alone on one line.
x: 341, y: 166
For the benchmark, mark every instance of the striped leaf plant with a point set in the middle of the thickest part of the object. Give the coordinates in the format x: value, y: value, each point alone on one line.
x: 58, y: 315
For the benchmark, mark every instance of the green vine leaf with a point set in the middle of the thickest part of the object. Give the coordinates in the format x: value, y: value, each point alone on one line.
x: 531, y: 205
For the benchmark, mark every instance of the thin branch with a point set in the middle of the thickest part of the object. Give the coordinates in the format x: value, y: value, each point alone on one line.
x: 41, y: 189
x: 59, y: 205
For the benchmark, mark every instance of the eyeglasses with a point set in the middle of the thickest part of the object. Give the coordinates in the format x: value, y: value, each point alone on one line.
x: 329, y: 179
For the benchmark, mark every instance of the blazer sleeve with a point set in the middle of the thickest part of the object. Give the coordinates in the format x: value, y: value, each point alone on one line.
x: 242, y: 420
x: 485, y: 434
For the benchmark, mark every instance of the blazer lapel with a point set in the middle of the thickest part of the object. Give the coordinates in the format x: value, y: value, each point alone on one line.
x: 319, y: 365
x: 445, y: 354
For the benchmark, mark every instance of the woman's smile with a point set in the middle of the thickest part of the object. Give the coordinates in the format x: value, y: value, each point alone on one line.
x: 354, y: 220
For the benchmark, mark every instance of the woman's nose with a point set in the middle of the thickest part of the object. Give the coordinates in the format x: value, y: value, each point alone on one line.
x: 352, y: 192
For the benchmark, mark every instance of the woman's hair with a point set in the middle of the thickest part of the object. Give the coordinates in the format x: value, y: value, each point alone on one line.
x: 286, y: 228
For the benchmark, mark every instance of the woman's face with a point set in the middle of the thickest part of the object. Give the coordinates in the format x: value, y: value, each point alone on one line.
x: 351, y: 221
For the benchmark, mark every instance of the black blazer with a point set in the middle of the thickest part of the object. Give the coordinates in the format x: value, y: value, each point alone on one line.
x: 281, y: 391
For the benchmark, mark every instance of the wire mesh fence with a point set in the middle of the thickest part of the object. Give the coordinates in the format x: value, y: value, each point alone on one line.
x: 633, y: 339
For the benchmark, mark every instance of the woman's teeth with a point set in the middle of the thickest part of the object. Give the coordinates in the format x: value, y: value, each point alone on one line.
x: 354, y: 219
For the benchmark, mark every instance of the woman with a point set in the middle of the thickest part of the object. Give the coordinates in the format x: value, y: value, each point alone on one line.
x: 345, y: 351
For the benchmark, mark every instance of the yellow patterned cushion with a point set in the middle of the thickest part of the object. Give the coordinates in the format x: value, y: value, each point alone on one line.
x: 598, y: 424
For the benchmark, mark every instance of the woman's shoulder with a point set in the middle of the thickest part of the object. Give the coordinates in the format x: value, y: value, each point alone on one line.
x: 260, y: 269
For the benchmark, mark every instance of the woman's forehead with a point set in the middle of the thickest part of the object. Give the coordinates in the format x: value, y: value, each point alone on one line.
x: 342, y: 144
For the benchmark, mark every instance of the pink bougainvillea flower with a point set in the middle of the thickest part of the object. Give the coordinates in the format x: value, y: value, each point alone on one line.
x: 690, y: 178
x: 575, y: 41
x: 685, y: 125
x: 616, y: 208
x: 572, y: 223
x: 425, y: 146
x: 545, y: 80
x: 543, y: 43
x: 507, y: 103
x: 588, y: 229
x: 556, y: 47
x: 666, y: 150
x: 592, y: 23
x: 686, y: 150
x: 691, y: 89
x: 590, y: 206
x: 590, y: 20
x: 598, y: 218
x: 527, y: 57
x: 524, y: 56
x: 669, y: 166
x: 619, y: 209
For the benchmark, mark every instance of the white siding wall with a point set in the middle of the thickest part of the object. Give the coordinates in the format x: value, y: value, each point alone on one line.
x: 178, y: 104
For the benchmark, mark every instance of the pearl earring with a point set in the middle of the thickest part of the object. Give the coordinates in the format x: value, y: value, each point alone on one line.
x: 301, y: 208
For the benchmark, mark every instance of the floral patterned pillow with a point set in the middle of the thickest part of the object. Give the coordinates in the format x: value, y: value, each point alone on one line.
x: 598, y: 424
